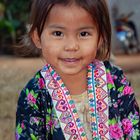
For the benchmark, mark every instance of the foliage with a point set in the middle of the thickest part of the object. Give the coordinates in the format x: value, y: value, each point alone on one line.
x: 13, y: 20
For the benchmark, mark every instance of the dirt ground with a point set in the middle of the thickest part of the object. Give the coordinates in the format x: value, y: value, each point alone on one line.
x: 15, y: 73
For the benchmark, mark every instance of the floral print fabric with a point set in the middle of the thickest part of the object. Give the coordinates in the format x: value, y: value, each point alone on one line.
x: 36, y: 118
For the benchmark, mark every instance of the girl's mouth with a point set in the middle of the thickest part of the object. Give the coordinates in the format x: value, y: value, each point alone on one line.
x: 70, y: 59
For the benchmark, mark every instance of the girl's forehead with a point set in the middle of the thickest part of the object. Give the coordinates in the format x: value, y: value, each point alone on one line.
x: 72, y: 8
x: 69, y: 13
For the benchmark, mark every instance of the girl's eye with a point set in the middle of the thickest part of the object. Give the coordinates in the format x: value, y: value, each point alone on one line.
x: 84, y: 34
x: 58, y: 33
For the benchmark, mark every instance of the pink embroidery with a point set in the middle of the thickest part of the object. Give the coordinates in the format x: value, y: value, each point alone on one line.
x: 31, y: 98
x: 41, y: 83
x: 65, y: 107
x: 127, y: 126
x: 109, y: 78
x: 123, y: 80
x: 101, y: 99
x: 116, y: 132
x: 128, y: 90
x: 22, y: 125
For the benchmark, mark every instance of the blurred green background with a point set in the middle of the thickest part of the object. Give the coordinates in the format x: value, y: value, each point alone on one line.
x: 14, y: 15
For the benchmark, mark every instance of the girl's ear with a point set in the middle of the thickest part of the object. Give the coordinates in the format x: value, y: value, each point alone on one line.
x: 36, y: 39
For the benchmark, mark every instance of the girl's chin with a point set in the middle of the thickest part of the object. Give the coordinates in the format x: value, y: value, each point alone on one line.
x: 75, y: 71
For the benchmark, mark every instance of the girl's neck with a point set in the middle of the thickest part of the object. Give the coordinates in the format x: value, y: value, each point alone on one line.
x: 76, y: 84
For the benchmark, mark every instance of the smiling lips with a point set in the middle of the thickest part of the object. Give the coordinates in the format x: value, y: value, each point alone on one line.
x: 70, y: 60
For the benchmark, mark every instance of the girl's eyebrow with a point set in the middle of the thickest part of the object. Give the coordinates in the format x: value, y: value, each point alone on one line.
x: 80, y: 28
x: 87, y: 27
x: 56, y: 26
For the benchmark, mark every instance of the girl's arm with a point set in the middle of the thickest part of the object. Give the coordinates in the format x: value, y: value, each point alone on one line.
x: 128, y: 108
x: 31, y: 115
x: 124, y: 111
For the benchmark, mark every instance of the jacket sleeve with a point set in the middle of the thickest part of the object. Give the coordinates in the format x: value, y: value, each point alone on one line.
x: 31, y: 115
x: 128, y: 108
x: 123, y: 99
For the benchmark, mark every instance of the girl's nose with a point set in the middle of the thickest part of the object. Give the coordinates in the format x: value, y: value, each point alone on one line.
x: 71, y: 45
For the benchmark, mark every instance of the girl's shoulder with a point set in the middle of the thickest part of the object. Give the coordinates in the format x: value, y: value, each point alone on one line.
x: 113, y: 69
x: 117, y: 80
x: 36, y: 82
x: 35, y: 88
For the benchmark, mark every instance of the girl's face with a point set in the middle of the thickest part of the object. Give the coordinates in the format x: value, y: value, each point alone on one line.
x: 69, y: 40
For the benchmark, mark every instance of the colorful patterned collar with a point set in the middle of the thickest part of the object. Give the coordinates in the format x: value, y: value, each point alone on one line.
x: 66, y: 111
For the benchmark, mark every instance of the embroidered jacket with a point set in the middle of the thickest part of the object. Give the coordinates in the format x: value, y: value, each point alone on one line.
x: 36, y: 117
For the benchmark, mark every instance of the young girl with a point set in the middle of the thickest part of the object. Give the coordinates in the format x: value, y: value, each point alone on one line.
x: 78, y: 94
